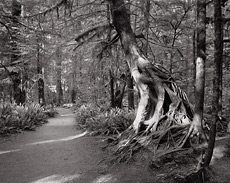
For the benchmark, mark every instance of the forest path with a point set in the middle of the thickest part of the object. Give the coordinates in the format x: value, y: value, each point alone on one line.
x: 56, y: 153
x: 59, y: 153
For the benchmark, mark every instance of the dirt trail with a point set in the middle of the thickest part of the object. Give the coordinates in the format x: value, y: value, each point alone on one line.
x: 55, y: 153
x: 58, y: 153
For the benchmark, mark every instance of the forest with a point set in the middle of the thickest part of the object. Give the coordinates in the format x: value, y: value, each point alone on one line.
x: 150, y: 75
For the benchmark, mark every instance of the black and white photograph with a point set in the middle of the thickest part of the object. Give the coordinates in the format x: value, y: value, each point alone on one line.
x: 114, y: 91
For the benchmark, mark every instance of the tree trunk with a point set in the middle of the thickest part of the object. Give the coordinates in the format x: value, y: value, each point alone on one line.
x: 18, y: 92
x: 111, y: 82
x: 160, y: 98
x: 146, y: 26
x: 119, y: 94
x: 129, y: 79
x: 41, y: 87
x: 58, y: 77
x: 194, y: 57
x: 196, y: 125
x: 218, y: 60
x: 73, y: 85
x: 130, y: 91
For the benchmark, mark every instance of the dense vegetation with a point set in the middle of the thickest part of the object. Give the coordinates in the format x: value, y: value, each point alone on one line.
x: 106, y: 56
x: 14, y: 118
x: 86, y: 72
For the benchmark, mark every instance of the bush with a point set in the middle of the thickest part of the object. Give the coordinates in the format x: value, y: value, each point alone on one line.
x: 14, y: 118
x: 113, y: 121
x: 85, y: 112
x: 50, y: 111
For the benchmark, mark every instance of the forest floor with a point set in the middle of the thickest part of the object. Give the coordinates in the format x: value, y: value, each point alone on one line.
x: 220, y: 164
x: 58, y: 153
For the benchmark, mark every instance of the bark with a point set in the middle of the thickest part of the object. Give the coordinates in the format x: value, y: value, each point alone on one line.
x: 130, y: 89
x: 41, y: 86
x: 218, y: 60
x: 194, y: 57
x: 119, y: 94
x: 196, y: 126
x: 187, y: 66
x: 129, y: 79
x: 112, y: 101
x: 41, y: 95
x: 73, y: 85
x: 159, y: 95
x: 18, y: 92
x: 58, y: 77
x: 146, y: 26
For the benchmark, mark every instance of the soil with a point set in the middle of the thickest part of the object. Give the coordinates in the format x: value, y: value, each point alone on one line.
x: 220, y: 165
x: 59, y: 153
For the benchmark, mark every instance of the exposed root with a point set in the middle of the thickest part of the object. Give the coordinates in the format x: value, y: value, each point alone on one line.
x: 157, y: 143
x: 164, y: 114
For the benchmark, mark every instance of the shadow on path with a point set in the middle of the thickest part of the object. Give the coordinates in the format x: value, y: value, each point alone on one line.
x: 56, y: 153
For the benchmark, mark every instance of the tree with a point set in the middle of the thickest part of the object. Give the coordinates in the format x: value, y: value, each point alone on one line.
x: 59, y: 76
x: 73, y: 81
x: 146, y: 18
x: 18, y: 92
x: 159, y: 97
x: 130, y: 91
x: 200, y: 68
x: 218, y: 62
x: 41, y: 87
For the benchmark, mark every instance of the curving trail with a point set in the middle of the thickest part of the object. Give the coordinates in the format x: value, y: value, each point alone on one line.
x: 58, y: 153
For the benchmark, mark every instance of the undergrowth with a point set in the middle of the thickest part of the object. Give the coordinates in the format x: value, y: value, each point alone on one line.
x: 99, y: 121
x: 14, y: 118
x: 50, y: 111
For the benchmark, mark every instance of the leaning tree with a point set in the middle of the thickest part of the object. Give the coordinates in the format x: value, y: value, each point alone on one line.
x: 163, y: 108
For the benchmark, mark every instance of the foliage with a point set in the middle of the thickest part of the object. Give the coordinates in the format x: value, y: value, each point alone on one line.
x: 14, y: 118
x: 50, y: 111
x: 42, y: 31
x: 98, y: 121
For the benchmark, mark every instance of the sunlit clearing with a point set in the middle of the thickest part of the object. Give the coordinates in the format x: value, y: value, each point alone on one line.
x: 5, y: 152
x: 59, y: 140
x: 57, y: 179
x: 105, y: 179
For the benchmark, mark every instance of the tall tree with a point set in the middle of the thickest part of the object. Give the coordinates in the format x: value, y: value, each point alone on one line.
x: 130, y: 90
x: 59, y: 76
x: 218, y: 61
x: 129, y: 79
x: 41, y: 86
x: 73, y: 81
x: 111, y: 84
x: 200, y: 67
x: 146, y: 26
x: 158, y: 92
x: 18, y: 92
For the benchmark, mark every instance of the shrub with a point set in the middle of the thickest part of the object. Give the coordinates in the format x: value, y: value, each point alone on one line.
x: 84, y: 113
x: 50, y: 111
x: 14, y: 118
x: 113, y: 121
